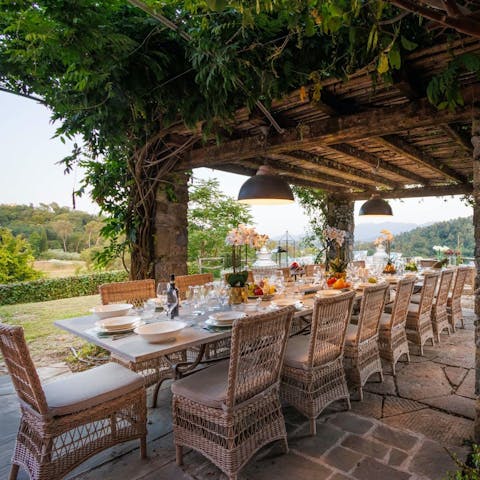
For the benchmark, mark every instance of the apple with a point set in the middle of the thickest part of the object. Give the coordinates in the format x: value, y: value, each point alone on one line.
x: 258, y: 291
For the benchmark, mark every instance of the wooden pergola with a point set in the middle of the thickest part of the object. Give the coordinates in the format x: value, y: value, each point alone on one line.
x: 351, y: 138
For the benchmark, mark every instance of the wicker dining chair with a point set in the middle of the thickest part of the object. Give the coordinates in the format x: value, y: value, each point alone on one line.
x: 135, y: 292
x: 68, y: 420
x: 392, y: 338
x: 182, y: 282
x: 229, y: 411
x: 313, y: 376
x: 359, y: 263
x: 361, y: 357
x: 419, y: 324
x: 309, y: 269
x: 439, y: 306
x: 454, y: 302
x: 427, y: 262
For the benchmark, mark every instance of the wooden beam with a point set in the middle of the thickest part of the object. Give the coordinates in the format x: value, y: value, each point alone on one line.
x: 461, y: 140
x: 249, y: 171
x: 378, y: 163
x: 283, y: 163
x: 327, y: 163
x: 343, y: 129
x: 400, y: 146
x: 433, y: 191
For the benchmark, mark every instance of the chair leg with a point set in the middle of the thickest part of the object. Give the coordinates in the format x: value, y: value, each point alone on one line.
x: 380, y: 375
x: 14, y: 471
x: 313, y: 426
x: 284, y: 445
x: 143, y: 447
x: 349, y: 405
x: 360, y: 393
x: 393, y: 369
x: 179, y: 454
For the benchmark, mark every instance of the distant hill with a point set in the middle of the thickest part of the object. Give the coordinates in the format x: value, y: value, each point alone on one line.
x: 367, y: 232
x: 419, y: 241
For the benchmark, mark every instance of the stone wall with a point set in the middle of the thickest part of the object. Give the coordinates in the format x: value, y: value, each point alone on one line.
x: 171, y: 234
x: 340, y: 215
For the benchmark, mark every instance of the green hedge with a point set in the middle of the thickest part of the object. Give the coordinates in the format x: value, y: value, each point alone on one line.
x: 55, y: 288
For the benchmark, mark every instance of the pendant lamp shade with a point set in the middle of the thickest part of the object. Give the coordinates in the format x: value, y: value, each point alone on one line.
x: 376, y: 207
x: 265, y: 188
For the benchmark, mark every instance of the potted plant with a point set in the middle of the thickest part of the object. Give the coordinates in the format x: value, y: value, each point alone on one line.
x: 336, y: 238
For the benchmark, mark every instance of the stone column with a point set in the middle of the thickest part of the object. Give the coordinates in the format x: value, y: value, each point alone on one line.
x: 171, y: 234
x: 476, y: 226
x: 340, y: 215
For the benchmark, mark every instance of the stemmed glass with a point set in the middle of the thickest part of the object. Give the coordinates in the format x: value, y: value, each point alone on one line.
x: 162, y: 290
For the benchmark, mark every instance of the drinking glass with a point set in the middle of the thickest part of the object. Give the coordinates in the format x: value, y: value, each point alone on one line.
x: 162, y: 289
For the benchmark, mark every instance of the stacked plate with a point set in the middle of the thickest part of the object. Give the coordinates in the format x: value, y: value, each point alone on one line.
x: 328, y: 293
x: 224, y: 319
x: 118, y: 324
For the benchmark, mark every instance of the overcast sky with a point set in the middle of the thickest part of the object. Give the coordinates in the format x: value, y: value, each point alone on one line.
x: 28, y: 156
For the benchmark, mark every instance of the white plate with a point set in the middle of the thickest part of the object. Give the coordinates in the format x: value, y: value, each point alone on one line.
x: 112, y: 310
x: 159, y: 332
x: 117, y: 323
x: 328, y: 293
x: 213, y: 323
x: 226, y: 318
x: 285, y: 302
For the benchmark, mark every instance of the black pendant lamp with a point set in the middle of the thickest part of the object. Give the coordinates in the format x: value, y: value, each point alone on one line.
x: 265, y: 188
x: 376, y: 207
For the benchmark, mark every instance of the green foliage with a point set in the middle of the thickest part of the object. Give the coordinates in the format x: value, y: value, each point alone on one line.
x: 456, y: 234
x: 211, y: 215
x: 238, y: 279
x: 39, y: 224
x: 118, y: 79
x: 16, y: 258
x: 55, y: 288
x: 469, y: 470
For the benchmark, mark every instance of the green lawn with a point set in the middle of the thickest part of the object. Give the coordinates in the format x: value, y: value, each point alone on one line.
x: 48, y: 343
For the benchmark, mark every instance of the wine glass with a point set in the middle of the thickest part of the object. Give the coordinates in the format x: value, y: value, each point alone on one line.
x: 162, y: 290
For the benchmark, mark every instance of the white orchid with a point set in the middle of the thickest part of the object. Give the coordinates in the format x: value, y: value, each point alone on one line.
x: 335, y: 235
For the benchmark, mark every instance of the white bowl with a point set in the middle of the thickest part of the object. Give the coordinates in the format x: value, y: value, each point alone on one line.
x: 112, y: 310
x: 160, y: 331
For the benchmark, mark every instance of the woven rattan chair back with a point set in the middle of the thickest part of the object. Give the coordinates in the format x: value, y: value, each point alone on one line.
x: 446, y: 279
x: 359, y: 263
x: 426, y: 298
x: 182, y: 282
x: 22, y: 370
x: 371, y: 310
x: 135, y: 292
x: 459, y: 282
x: 329, y: 323
x: 402, y: 301
x: 257, y: 351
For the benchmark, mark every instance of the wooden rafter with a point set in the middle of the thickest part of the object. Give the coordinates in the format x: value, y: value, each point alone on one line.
x: 433, y: 191
x: 400, y: 146
x: 333, y: 165
x: 446, y: 13
x: 378, y: 164
x: 283, y: 163
x: 458, y: 138
x: 344, y: 129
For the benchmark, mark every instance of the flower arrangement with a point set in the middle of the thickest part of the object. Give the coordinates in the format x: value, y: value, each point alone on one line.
x: 296, y: 269
x: 336, y: 238
x: 386, y: 238
x: 237, y: 238
x: 440, y: 251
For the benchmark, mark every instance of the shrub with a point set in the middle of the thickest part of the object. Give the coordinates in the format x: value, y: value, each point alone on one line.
x: 58, y: 254
x: 55, y: 288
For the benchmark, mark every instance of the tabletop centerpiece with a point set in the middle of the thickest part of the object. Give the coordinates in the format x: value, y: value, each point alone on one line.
x: 384, y: 245
x: 239, y: 237
x: 335, y: 239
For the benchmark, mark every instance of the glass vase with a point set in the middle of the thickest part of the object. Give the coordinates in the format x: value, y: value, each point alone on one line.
x: 237, y: 295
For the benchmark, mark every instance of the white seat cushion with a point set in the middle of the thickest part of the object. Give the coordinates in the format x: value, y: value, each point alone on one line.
x: 351, y: 335
x: 415, y: 298
x: 296, y: 353
x: 207, y: 387
x: 413, y: 309
x: 90, y: 388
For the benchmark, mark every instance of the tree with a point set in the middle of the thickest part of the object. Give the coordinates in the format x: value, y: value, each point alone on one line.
x: 16, y: 259
x: 63, y: 228
x: 121, y: 78
x: 92, y: 231
x: 211, y: 214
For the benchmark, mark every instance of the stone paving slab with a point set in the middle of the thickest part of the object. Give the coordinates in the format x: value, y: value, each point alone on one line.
x: 398, y: 431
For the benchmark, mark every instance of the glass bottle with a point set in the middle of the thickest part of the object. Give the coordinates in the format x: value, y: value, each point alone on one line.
x: 172, y: 298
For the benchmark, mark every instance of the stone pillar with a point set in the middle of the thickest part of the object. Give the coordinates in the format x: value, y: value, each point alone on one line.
x: 476, y: 227
x: 340, y: 215
x: 171, y: 236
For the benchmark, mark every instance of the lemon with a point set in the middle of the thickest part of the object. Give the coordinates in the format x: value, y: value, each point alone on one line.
x: 372, y: 280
